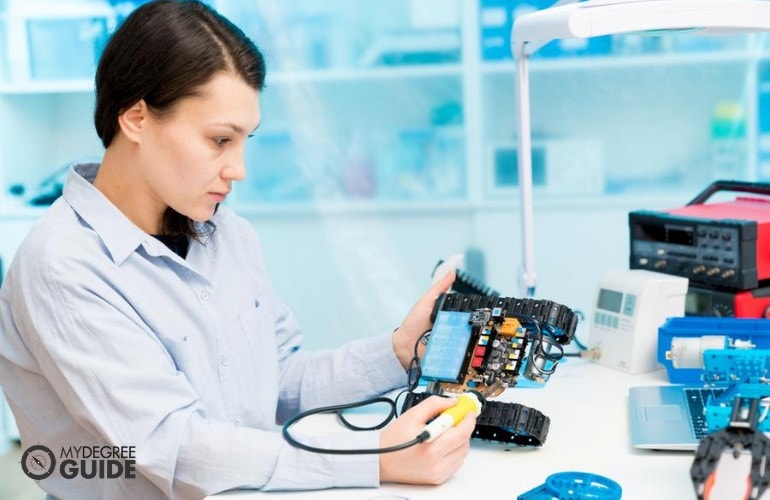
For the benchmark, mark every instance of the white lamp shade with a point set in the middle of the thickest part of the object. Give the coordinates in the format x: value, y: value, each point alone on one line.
x: 606, y: 17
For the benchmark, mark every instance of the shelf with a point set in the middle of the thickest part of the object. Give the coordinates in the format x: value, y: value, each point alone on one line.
x: 432, y: 71
x: 351, y: 207
x: 653, y: 199
x: 638, y: 200
x: 278, y: 78
x: 378, y: 73
x: 641, y: 200
x: 47, y: 87
x: 621, y: 61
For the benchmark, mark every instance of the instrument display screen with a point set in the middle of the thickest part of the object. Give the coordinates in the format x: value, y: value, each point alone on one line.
x: 697, y: 303
x: 609, y: 300
x: 665, y: 233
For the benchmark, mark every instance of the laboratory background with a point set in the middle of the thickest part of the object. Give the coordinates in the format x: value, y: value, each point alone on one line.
x: 388, y: 143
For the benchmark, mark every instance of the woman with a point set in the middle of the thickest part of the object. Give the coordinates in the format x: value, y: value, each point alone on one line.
x: 138, y: 312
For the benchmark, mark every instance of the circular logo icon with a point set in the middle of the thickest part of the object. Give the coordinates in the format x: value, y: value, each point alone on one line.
x: 38, y: 462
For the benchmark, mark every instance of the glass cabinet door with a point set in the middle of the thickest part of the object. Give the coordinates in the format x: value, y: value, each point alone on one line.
x: 364, y: 101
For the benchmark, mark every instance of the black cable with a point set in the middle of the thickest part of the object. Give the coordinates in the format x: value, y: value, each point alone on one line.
x: 575, y: 339
x: 414, y: 372
x: 385, y: 421
x: 553, y: 357
x: 538, y: 351
x: 395, y: 400
x: 412, y: 381
x: 337, y: 408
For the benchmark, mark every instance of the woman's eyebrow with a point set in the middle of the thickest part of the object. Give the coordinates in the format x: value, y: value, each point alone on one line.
x: 236, y: 128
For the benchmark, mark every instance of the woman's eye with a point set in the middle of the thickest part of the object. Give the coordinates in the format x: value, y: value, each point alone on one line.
x: 221, y: 141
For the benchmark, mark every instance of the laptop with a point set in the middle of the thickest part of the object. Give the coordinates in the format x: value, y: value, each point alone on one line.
x: 670, y: 417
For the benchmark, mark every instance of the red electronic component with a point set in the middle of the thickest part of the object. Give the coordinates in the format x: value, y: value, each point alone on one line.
x: 702, y: 301
x: 725, y: 245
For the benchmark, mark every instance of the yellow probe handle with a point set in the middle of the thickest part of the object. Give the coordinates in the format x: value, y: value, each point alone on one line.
x: 466, y: 403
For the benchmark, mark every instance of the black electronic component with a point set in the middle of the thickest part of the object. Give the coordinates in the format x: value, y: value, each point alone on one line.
x: 465, y: 283
x: 482, y: 349
x: 482, y: 343
x: 500, y: 358
x: 512, y: 423
x: 558, y: 318
x: 706, y: 301
x: 487, y: 342
x: 739, y: 439
x: 479, y: 344
x: 502, y: 422
x: 722, y: 245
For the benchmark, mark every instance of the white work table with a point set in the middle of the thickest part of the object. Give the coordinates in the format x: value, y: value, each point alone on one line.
x: 588, y: 407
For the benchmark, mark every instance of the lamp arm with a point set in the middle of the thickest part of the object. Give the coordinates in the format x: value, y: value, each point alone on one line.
x: 534, y: 45
x: 524, y: 151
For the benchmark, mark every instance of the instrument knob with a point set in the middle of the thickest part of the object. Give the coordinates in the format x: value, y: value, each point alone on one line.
x: 728, y: 274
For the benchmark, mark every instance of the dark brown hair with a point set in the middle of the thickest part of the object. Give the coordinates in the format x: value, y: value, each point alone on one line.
x: 165, y: 51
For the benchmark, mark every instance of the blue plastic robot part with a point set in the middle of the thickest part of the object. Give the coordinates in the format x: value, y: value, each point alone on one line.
x: 574, y: 486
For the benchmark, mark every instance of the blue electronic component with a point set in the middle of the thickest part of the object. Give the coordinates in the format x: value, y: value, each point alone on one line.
x: 744, y: 373
x: 755, y: 331
x: 574, y: 485
x: 736, y: 420
x: 728, y: 353
x: 446, y: 351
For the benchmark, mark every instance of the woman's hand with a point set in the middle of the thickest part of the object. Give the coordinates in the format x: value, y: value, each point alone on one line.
x: 424, y: 463
x: 417, y: 321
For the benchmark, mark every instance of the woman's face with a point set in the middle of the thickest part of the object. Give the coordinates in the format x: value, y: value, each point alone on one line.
x: 192, y: 156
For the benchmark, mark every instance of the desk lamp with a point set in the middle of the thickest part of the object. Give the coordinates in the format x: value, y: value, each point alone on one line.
x: 608, y: 17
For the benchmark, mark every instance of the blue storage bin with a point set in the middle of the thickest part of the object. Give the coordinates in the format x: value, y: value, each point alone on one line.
x: 757, y: 331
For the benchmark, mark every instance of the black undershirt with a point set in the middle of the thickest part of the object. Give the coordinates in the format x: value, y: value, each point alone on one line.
x: 178, y: 243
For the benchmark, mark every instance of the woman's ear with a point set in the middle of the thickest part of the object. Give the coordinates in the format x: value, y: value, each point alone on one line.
x: 133, y: 121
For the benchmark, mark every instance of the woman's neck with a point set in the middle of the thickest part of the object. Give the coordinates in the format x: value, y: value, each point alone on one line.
x: 117, y: 179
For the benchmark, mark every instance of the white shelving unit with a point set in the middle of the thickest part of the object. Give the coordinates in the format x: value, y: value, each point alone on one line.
x: 650, y: 112
x: 376, y: 103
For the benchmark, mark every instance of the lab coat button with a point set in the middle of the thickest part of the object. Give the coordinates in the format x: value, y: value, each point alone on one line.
x: 205, y: 295
x: 224, y: 360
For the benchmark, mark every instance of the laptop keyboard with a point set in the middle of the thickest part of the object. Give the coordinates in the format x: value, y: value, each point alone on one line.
x: 696, y: 401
